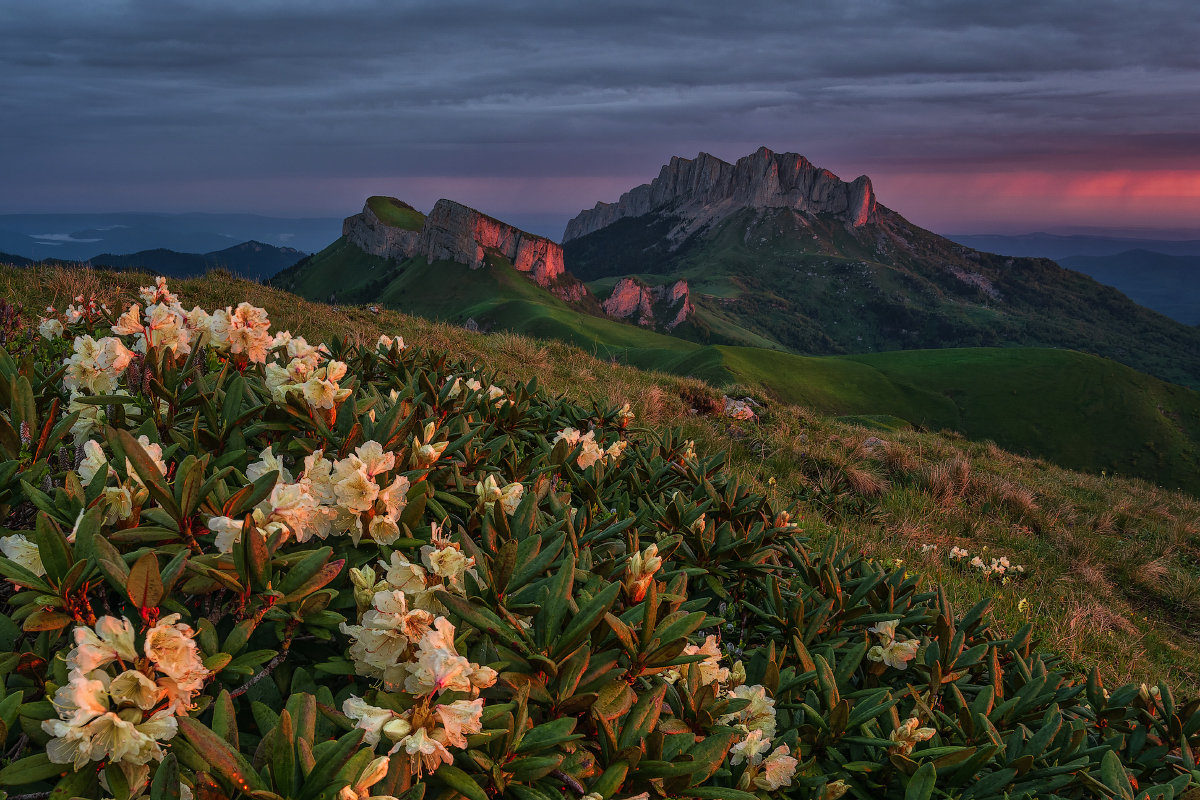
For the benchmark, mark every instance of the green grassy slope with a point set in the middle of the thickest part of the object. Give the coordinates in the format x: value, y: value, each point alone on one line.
x: 813, y: 286
x: 396, y: 213
x: 340, y: 273
x: 1078, y: 410
x: 1034, y: 400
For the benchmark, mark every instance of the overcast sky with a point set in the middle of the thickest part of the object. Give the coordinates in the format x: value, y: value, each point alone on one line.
x: 969, y: 116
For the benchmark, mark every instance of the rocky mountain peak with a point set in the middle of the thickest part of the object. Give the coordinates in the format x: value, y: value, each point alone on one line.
x: 454, y: 232
x: 705, y: 189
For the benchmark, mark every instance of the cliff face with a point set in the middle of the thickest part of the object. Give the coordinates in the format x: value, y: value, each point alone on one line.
x: 705, y: 189
x: 454, y: 232
x: 652, y: 306
x: 372, y: 235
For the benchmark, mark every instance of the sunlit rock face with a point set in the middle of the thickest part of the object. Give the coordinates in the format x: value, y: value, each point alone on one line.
x: 454, y: 232
x: 705, y: 189
x: 372, y: 235
x: 664, y: 306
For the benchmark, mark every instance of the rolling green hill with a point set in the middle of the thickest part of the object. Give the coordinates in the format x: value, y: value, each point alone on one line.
x: 1077, y: 410
x: 813, y: 285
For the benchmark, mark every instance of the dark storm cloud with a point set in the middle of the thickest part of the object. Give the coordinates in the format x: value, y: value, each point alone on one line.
x: 146, y: 95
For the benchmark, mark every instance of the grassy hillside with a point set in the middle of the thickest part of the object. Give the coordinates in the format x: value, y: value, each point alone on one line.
x: 1056, y: 404
x: 396, y: 213
x: 813, y: 286
x: 340, y: 272
x: 1112, y: 563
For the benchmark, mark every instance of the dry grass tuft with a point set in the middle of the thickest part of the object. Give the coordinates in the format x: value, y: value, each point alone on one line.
x: 949, y: 480
x: 865, y: 481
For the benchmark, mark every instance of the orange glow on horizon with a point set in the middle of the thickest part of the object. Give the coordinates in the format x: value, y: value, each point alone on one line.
x: 1155, y: 198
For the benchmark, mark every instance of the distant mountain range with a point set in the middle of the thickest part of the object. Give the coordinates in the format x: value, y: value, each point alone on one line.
x: 1055, y: 246
x: 78, y: 237
x: 253, y: 260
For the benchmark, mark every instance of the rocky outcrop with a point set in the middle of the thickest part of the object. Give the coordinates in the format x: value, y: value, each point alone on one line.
x: 702, y: 190
x: 651, y: 306
x: 454, y: 232
x: 372, y: 235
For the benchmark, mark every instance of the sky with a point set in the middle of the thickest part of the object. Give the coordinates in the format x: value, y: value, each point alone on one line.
x: 968, y: 116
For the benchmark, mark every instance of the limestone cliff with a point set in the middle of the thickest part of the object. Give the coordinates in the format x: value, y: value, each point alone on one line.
x: 651, y: 306
x: 705, y: 189
x: 454, y: 232
x: 372, y: 235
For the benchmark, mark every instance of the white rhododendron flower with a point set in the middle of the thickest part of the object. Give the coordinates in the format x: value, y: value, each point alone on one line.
x: 96, y: 365
x: 759, y: 715
x: 750, y: 749
x: 893, y: 650
x: 50, y: 328
x: 24, y: 553
x: 778, y: 770
x: 425, y: 452
x: 591, y: 451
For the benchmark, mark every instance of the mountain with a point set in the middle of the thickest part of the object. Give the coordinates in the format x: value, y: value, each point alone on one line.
x: 253, y: 260
x: 16, y: 261
x: 775, y: 249
x: 77, y: 237
x: 1168, y: 284
x: 1056, y: 246
x: 248, y: 259
x: 389, y: 243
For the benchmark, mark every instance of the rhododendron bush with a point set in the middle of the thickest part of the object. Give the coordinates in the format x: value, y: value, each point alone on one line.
x: 237, y: 563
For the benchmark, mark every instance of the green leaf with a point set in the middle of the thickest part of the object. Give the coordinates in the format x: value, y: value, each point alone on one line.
x: 224, y: 760
x: 920, y: 785
x: 147, y: 470
x: 75, y: 784
x: 31, y: 769
x: 329, y: 764
x: 461, y: 782
x: 547, y: 735
x: 165, y: 785
x: 145, y: 582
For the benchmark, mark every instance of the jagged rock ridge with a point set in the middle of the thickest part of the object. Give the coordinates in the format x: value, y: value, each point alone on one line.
x: 705, y: 189
x: 666, y: 306
x: 454, y: 232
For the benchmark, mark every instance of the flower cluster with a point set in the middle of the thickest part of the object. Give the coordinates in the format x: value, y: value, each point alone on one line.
x: 489, y: 491
x: 124, y: 715
x: 639, y: 572
x: 592, y: 452
x: 351, y: 496
x: 495, y: 394
x: 89, y: 312
x: 996, y: 566
x: 893, y: 649
x: 766, y: 768
x: 95, y: 366
x: 412, y: 651
x: 120, y: 496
